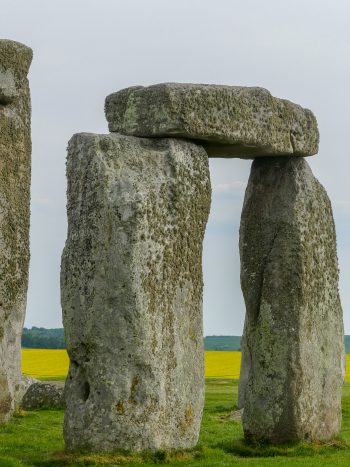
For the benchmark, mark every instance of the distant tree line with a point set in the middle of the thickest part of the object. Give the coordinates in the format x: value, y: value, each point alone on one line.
x: 41, y: 338
x: 227, y: 343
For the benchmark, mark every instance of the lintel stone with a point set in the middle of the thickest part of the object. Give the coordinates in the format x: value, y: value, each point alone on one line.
x: 229, y: 121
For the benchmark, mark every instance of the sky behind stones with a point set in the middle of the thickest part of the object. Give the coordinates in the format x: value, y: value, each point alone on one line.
x: 86, y: 49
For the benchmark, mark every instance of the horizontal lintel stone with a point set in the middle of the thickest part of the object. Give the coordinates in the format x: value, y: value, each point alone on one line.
x: 229, y: 121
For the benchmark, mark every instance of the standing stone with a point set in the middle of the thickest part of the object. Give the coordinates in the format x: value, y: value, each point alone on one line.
x: 294, y: 327
x: 131, y: 283
x: 229, y: 121
x: 15, y: 168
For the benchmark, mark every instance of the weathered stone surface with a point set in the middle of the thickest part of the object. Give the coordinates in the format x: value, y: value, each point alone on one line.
x: 244, y: 371
x: 47, y: 395
x: 230, y: 121
x: 23, y: 386
x: 15, y: 60
x: 131, y: 283
x: 294, y: 327
x: 15, y: 152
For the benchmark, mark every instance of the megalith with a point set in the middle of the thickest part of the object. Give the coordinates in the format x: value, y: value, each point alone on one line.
x: 294, y: 327
x: 131, y: 279
x: 131, y: 291
x: 229, y: 121
x: 15, y: 169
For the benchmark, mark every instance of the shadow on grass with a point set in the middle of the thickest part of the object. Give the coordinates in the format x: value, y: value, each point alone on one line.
x: 245, y: 448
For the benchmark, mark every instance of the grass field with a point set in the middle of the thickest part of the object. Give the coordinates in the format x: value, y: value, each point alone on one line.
x: 53, y: 364
x: 34, y: 438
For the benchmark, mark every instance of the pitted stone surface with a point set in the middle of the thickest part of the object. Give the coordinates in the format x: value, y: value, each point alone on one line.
x: 15, y: 60
x: 23, y: 386
x: 229, y: 121
x: 294, y: 327
x: 244, y: 370
x: 131, y: 283
x: 44, y: 395
x: 15, y: 167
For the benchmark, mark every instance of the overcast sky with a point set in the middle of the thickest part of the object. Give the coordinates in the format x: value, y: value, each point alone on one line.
x: 86, y: 49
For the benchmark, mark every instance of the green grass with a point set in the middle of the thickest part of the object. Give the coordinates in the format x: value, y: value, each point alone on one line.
x: 53, y: 378
x: 34, y: 438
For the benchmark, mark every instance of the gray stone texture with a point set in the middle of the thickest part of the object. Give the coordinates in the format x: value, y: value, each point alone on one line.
x: 15, y: 168
x: 44, y: 395
x: 229, y: 121
x: 23, y: 386
x: 294, y: 327
x: 131, y: 289
x: 244, y: 371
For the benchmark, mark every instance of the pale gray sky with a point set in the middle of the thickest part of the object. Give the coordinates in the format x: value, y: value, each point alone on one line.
x: 86, y: 49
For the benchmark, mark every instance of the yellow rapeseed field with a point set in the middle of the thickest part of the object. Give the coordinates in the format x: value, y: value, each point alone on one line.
x: 222, y: 364
x: 45, y: 363
x: 53, y: 364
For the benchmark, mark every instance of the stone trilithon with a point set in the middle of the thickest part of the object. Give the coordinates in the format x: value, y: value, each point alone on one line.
x: 138, y: 202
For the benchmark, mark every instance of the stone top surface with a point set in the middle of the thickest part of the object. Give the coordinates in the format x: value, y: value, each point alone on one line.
x: 15, y: 60
x: 229, y: 121
x: 15, y: 55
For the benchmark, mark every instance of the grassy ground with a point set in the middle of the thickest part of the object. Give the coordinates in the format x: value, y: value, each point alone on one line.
x: 34, y: 438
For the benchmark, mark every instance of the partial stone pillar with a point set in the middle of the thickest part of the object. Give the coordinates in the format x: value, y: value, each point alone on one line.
x: 15, y: 168
x: 244, y: 370
x: 294, y: 327
x: 131, y: 284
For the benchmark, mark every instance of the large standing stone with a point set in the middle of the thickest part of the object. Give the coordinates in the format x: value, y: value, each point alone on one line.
x: 132, y: 292
x: 15, y: 168
x: 294, y: 327
x: 230, y: 121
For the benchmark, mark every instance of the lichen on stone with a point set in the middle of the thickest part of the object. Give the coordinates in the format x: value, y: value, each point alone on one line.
x: 294, y: 329
x: 229, y: 121
x: 131, y: 284
x: 15, y: 172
